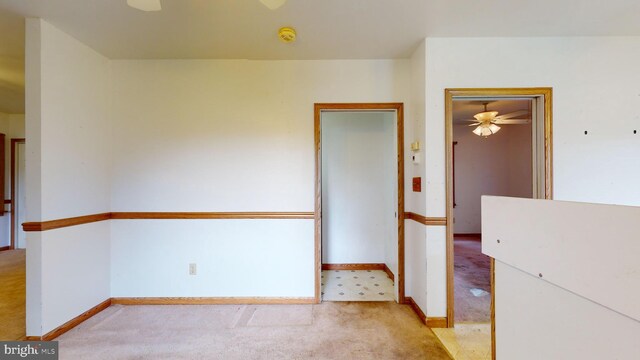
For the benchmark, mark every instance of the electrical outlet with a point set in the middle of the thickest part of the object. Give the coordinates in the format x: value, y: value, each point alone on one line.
x: 192, y: 269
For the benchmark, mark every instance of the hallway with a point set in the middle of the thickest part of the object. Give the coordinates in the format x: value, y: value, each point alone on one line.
x: 12, y: 296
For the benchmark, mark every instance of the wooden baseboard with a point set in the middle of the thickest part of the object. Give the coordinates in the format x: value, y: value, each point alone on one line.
x: 389, y: 272
x: 71, y: 323
x: 470, y: 236
x: 437, y: 322
x: 432, y: 322
x: 365, y: 266
x: 3, y: 248
x: 409, y: 301
x: 211, y: 300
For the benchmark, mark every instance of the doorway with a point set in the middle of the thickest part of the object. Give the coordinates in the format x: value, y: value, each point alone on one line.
x: 528, y: 105
x: 359, y: 214
x: 18, y: 197
x: 492, y: 156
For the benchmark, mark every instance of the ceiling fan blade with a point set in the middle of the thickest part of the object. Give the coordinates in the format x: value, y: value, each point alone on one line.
x: 512, y: 121
x: 513, y: 114
x: 145, y: 5
x: 476, y: 124
x: 273, y: 4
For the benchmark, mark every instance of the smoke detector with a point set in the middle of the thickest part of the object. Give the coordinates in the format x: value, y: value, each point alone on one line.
x: 287, y: 34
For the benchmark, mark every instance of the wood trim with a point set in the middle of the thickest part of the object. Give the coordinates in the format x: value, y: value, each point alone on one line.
x: 14, y: 143
x: 71, y: 323
x: 317, y: 131
x: 432, y: 322
x: 471, y: 236
x: 399, y: 107
x: 5, y: 248
x: 409, y: 301
x: 211, y: 215
x: 547, y: 95
x: 365, y: 266
x: 493, y: 308
x: 211, y: 300
x: 60, y: 223
x: 3, y: 174
x: 437, y: 221
x: 389, y: 273
x: 437, y: 322
x: 317, y: 237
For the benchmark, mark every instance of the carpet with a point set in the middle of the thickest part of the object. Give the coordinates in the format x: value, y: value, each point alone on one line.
x: 331, y: 330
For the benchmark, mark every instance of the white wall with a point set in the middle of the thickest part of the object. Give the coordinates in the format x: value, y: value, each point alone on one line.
x: 358, y: 181
x: 497, y: 165
x: 416, y: 234
x: 12, y: 125
x: 68, y: 174
x: 225, y: 135
x: 565, y: 278
x: 588, y: 76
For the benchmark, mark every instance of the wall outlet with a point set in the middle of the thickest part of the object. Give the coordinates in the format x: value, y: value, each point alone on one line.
x: 192, y: 269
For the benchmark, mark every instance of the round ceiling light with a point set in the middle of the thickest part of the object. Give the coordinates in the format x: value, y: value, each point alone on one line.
x: 287, y: 34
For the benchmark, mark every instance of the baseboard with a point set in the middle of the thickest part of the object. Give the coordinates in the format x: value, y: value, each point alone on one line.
x: 437, y: 322
x: 365, y: 266
x: 71, y: 323
x: 470, y: 236
x: 432, y: 322
x: 409, y: 301
x: 211, y: 300
x: 3, y: 248
x: 389, y: 272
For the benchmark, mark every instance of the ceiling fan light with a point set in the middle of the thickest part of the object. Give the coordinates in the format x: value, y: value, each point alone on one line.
x: 485, y: 116
x: 273, y: 4
x: 478, y: 131
x: 145, y: 5
x: 486, y: 131
x: 494, y: 128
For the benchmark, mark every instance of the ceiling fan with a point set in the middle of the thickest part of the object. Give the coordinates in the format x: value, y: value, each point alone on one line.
x: 154, y: 5
x: 487, y: 121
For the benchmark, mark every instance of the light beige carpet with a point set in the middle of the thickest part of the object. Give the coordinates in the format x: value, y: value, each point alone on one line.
x: 331, y: 330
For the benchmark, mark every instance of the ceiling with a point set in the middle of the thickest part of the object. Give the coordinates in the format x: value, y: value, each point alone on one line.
x: 464, y: 110
x: 327, y: 29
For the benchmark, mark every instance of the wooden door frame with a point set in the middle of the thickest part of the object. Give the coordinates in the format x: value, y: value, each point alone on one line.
x: 546, y: 93
x: 14, y: 144
x: 399, y: 109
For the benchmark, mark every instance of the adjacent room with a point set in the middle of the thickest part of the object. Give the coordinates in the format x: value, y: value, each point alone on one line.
x: 359, y: 205
x: 492, y: 155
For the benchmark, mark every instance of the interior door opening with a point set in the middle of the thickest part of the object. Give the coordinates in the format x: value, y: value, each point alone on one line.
x: 521, y: 118
x: 492, y: 155
x: 18, y: 194
x: 359, y: 202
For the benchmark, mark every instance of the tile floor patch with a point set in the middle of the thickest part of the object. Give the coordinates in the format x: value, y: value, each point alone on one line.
x: 361, y: 285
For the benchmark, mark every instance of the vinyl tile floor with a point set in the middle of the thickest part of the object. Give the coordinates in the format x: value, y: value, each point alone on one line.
x: 356, y: 285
